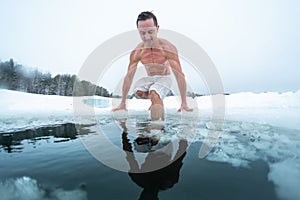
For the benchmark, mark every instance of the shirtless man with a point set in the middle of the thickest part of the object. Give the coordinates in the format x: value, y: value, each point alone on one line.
x: 158, y: 56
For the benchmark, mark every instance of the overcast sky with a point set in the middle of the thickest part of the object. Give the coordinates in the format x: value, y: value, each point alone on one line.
x: 254, y: 44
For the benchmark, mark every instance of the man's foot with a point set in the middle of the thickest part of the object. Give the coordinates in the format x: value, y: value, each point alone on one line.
x: 157, y: 112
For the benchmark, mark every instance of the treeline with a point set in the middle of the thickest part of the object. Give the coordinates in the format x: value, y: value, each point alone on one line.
x: 17, y: 77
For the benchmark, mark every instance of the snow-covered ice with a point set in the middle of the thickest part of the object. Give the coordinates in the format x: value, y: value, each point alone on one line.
x: 21, y: 111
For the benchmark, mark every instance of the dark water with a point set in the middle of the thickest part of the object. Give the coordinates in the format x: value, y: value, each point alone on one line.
x: 56, y: 160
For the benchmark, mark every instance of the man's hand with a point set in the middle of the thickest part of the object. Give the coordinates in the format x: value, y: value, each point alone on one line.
x: 185, y: 107
x: 122, y: 106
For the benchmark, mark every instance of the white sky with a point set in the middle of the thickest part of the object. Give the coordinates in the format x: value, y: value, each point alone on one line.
x: 254, y: 44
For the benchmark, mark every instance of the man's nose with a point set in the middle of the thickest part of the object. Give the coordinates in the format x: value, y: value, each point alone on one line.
x: 147, y: 36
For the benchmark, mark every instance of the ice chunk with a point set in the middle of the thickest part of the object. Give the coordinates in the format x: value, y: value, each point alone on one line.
x: 25, y: 188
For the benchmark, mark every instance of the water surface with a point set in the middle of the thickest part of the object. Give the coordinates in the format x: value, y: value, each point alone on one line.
x: 52, y: 163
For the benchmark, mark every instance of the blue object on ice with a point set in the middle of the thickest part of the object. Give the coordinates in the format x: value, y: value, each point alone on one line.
x: 98, y: 103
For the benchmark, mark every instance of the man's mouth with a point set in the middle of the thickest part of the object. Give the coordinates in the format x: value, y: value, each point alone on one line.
x: 149, y: 41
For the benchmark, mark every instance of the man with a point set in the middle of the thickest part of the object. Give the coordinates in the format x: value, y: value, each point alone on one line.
x: 158, y: 56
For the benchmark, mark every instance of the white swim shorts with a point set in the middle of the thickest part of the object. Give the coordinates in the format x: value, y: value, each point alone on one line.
x: 160, y: 84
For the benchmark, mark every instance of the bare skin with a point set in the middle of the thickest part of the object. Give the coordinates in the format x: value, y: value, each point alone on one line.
x: 158, y: 56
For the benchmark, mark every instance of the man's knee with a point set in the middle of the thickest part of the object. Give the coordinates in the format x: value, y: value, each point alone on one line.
x: 141, y: 94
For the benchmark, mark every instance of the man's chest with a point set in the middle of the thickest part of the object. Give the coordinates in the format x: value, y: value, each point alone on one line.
x: 152, y: 56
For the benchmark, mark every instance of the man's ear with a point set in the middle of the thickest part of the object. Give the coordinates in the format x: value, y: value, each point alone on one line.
x: 157, y: 27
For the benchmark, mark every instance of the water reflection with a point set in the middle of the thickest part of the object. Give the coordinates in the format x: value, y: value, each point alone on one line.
x: 153, y: 181
x: 13, y: 142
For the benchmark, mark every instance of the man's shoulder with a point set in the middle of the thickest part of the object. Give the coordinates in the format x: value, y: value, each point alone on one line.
x: 163, y: 41
x: 139, y: 46
x: 167, y: 45
x: 136, y: 52
x: 137, y: 49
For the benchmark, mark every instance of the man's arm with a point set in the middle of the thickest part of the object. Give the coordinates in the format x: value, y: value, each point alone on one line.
x: 128, y: 79
x: 172, y: 56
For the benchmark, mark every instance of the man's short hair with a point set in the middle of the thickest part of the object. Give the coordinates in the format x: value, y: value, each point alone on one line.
x: 146, y: 15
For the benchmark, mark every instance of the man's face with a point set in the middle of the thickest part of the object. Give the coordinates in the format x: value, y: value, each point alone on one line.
x: 148, y: 32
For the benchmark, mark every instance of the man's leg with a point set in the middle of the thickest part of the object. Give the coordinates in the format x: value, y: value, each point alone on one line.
x: 157, y: 106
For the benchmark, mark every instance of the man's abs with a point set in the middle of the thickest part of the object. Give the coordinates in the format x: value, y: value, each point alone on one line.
x: 157, y: 70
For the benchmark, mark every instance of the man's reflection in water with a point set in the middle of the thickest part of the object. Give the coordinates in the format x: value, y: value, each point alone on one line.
x: 153, y: 181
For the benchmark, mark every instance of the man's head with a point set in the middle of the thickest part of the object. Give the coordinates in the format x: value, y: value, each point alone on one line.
x: 143, y: 16
x: 148, y: 27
